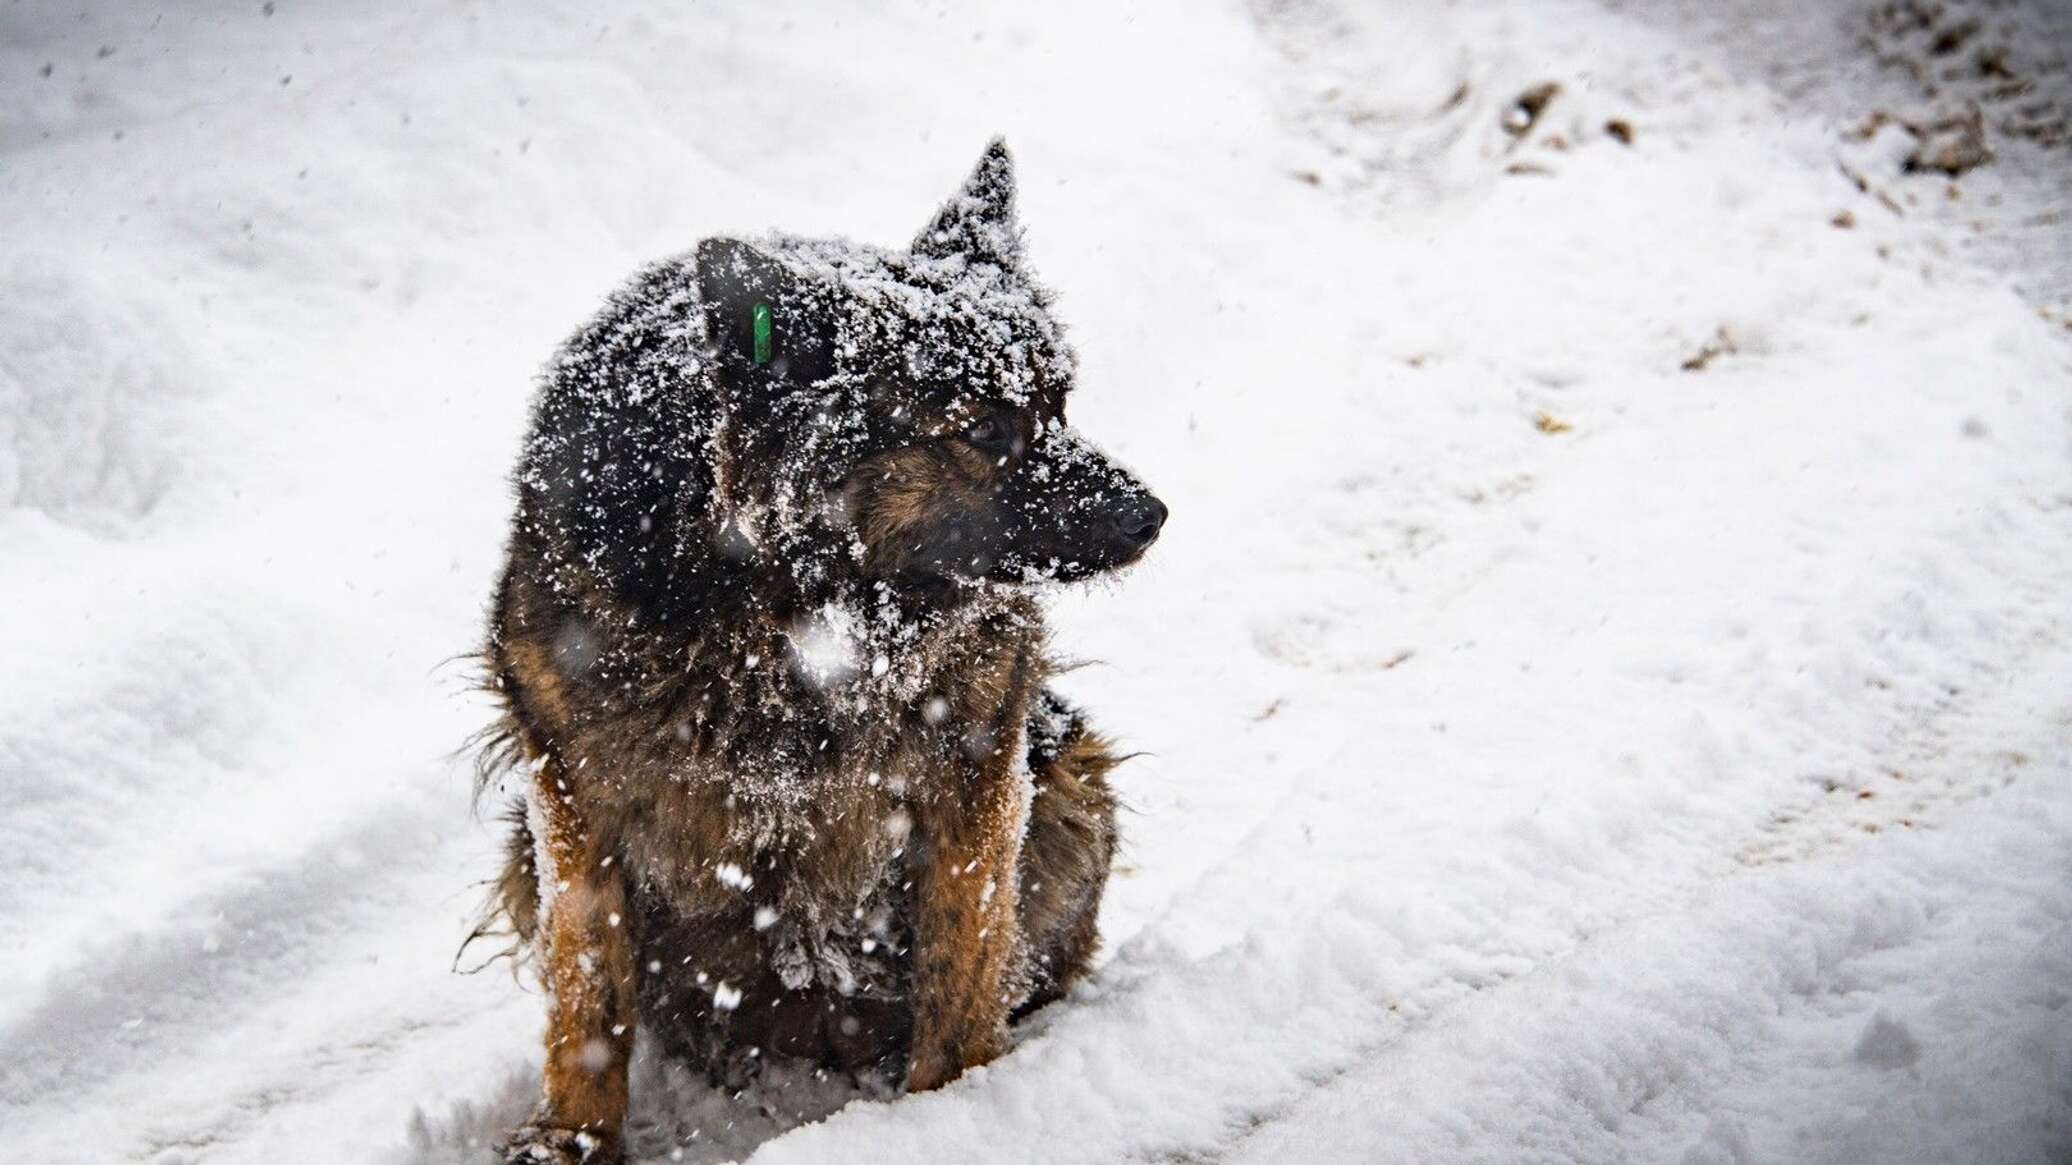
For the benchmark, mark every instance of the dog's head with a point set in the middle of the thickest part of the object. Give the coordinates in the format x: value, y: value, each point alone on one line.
x: 913, y: 403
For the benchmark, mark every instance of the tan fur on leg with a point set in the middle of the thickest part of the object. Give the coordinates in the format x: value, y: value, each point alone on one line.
x: 586, y: 963
x: 966, y: 936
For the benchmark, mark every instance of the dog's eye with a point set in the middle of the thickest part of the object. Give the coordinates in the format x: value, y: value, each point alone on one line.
x: 987, y: 433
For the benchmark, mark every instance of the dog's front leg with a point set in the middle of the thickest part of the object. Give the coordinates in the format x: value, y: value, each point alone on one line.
x: 586, y: 964
x: 966, y: 934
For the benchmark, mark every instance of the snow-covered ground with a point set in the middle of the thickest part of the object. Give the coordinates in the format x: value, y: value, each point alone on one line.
x: 1606, y: 684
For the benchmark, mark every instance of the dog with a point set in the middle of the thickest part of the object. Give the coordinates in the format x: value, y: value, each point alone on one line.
x: 771, y: 666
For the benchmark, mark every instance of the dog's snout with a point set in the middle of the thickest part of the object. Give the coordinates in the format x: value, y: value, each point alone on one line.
x: 1138, y: 521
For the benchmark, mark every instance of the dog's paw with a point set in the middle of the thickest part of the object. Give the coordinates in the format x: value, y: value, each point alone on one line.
x: 538, y: 1145
x: 927, y: 1072
x: 924, y: 1075
x: 935, y: 1062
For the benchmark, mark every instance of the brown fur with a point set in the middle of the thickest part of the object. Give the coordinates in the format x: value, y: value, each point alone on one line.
x: 996, y: 919
x: 773, y: 690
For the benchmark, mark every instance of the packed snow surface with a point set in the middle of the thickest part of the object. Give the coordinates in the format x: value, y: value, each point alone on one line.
x: 1605, y: 689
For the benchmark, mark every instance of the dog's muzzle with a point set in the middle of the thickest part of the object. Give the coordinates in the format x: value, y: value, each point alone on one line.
x: 1133, y: 525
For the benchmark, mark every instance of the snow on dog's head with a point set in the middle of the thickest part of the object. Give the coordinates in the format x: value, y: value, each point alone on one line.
x: 913, y: 402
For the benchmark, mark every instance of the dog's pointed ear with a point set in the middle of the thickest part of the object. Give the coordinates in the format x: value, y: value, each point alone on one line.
x: 979, y: 221
x: 766, y: 322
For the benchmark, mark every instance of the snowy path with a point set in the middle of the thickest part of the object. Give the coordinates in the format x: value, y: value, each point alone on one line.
x: 1555, y: 753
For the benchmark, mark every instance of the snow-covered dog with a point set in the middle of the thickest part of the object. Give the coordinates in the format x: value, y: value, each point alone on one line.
x: 773, y: 670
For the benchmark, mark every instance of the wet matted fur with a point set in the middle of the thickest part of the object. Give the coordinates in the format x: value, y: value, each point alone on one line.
x: 789, y: 778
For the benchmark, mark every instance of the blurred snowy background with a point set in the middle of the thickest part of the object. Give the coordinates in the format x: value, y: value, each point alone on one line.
x: 1607, y: 682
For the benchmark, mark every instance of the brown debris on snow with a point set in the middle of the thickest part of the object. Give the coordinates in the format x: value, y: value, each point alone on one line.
x: 1524, y: 113
x: 1721, y: 344
x: 1951, y: 145
x: 1863, y: 186
x: 1985, y: 72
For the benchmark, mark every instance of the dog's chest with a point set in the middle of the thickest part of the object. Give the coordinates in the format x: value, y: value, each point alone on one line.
x: 711, y: 848
x: 789, y: 825
x: 811, y: 888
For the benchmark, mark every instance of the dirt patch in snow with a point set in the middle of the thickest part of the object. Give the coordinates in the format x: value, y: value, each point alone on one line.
x: 1985, y: 70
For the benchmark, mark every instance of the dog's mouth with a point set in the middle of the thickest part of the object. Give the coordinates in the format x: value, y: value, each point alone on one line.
x: 915, y: 521
x: 1018, y: 570
x: 1059, y: 564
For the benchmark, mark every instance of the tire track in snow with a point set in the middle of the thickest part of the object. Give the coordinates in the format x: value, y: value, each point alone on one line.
x: 121, y: 1014
x: 317, y: 1073
x: 1947, y: 782
x: 1714, y: 919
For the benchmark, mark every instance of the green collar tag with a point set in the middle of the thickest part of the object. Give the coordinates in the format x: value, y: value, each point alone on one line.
x: 760, y: 320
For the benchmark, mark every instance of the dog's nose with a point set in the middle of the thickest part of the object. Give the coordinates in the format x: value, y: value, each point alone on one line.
x: 1138, y: 521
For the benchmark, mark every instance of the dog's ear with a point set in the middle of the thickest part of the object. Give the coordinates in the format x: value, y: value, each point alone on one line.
x: 979, y: 222
x: 768, y: 323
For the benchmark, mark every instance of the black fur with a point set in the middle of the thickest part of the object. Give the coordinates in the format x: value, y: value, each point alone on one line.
x: 759, y: 616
